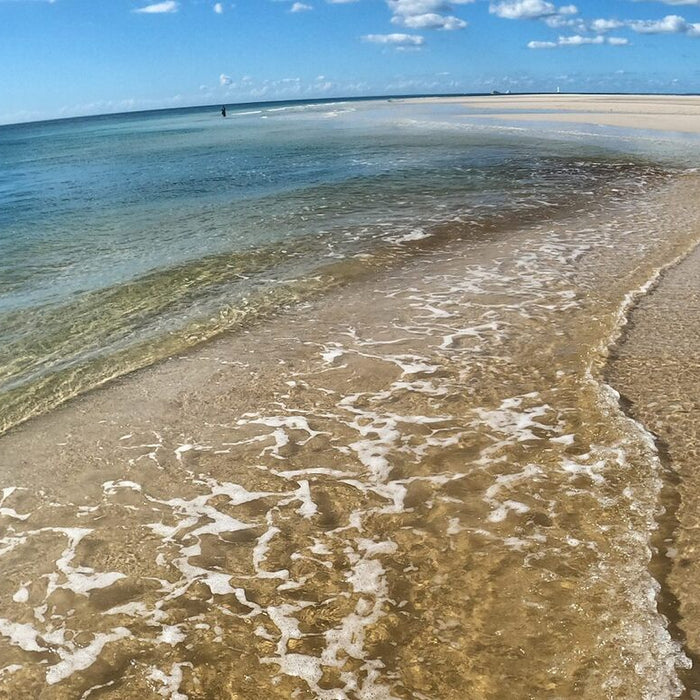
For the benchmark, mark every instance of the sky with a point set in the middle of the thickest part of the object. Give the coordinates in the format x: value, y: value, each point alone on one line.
x: 61, y: 58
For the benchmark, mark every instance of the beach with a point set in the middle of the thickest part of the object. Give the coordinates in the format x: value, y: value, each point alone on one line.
x: 671, y: 113
x: 443, y: 450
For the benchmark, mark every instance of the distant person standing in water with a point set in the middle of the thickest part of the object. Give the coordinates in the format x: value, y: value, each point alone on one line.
x: 223, y: 111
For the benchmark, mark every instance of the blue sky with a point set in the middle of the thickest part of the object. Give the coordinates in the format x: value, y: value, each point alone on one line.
x: 72, y: 57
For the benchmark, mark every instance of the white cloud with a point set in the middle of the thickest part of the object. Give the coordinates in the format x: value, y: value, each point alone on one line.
x: 426, y: 14
x: 430, y: 20
x: 675, y: 2
x: 578, y: 40
x: 420, y: 7
x: 575, y: 24
x: 219, y: 8
x: 671, y: 24
x: 159, y: 8
x: 605, y: 25
x: 300, y: 7
x: 529, y: 9
x: 224, y: 79
x: 395, y: 39
x: 542, y: 45
x: 582, y: 31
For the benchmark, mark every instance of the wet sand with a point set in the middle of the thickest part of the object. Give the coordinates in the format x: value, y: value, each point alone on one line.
x: 656, y: 367
x: 658, y: 112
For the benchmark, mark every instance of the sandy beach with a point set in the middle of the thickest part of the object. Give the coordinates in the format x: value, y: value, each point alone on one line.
x: 421, y: 484
x: 657, y: 113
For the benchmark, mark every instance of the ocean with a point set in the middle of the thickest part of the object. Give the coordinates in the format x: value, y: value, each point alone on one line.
x: 372, y: 451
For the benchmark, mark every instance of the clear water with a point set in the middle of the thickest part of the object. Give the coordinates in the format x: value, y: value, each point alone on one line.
x: 127, y: 238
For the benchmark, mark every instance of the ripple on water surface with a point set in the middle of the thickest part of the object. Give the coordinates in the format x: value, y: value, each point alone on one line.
x: 429, y: 496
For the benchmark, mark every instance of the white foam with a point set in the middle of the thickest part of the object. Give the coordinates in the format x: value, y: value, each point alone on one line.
x: 218, y: 583
x: 454, y: 527
x: 367, y: 575
x: 501, y: 512
x: 564, y: 439
x: 10, y: 512
x: 12, y: 668
x: 281, y: 425
x: 111, y: 487
x: 172, y: 635
x: 170, y: 682
x: 260, y: 555
x: 313, y: 471
x: 236, y: 493
x: 80, y: 580
x: 86, y: 695
x: 331, y: 354
x: 80, y: 658
x: 308, y: 508
x: 501, y: 508
x: 11, y: 542
x: 22, y: 594
x: 435, y: 312
x: 513, y: 421
x: 415, y: 234
x: 420, y: 386
x: 302, y: 666
x: 477, y: 331
x: 23, y: 635
x: 594, y: 471
x: 133, y: 609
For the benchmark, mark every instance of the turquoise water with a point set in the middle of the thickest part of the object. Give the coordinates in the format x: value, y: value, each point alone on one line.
x: 126, y: 238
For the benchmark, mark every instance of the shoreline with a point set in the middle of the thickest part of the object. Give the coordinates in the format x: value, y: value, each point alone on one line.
x: 247, y: 308
x: 652, y: 366
x: 635, y: 398
x: 563, y: 101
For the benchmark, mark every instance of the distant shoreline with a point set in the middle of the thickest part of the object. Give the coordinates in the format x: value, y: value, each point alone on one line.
x: 512, y: 103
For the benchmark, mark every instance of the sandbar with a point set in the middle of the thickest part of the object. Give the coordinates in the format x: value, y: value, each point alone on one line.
x: 675, y: 113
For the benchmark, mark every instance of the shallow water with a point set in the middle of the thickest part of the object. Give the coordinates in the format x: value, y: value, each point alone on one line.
x: 127, y: 238
x: 414, y: 485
